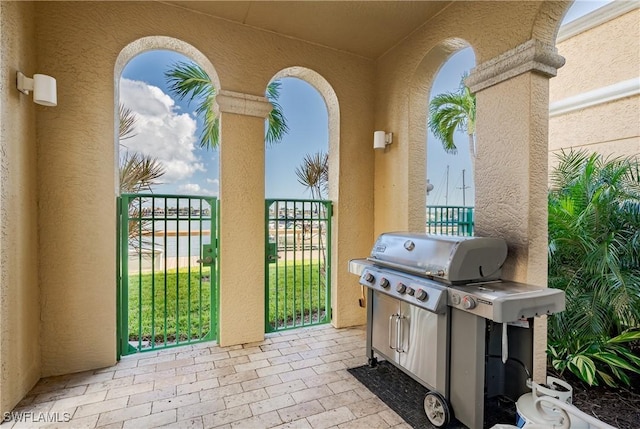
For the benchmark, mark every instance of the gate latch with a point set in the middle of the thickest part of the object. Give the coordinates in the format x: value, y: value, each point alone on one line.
x: 208, y: 254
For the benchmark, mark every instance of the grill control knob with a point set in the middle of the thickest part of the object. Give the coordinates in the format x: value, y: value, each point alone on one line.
x: 455, y: 298
x: 384, y: 282
x: 410, y: 291
x: 468, y: 302
x: 401, y: 288
x: 369, y: 278
x: 421, y: 295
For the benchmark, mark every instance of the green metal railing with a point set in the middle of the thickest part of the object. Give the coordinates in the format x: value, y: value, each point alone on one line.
x: 167, y: 271
x: 297, y: 266
x: 450, y: 220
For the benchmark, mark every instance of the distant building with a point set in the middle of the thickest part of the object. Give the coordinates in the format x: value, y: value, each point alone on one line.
x: 595, y: 98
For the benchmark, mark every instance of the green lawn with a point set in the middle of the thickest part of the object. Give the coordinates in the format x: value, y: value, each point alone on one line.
x: 186, y: 305
x: 297, y: 296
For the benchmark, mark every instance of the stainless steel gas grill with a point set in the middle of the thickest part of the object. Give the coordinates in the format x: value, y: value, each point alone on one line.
x: 437, y: 309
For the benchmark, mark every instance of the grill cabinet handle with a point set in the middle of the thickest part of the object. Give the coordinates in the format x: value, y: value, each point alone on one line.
x: 393, y: 316
x: 399, y: 334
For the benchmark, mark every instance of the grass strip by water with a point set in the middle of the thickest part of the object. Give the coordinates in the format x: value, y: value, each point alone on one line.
x: 176, y: 305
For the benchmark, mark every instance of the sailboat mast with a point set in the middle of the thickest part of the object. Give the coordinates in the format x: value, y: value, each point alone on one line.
x: 464, y: 191
x: 446, y: 193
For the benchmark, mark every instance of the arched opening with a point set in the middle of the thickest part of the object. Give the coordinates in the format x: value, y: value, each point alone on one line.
x: 451, y: 148
x: 299, y: 232
x: 297, y: 278
x: 167, y: 206
x: 308, y: 133
x: 146, y: 44
x: 441, y: 71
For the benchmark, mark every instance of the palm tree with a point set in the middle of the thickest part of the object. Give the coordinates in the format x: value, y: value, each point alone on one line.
x: 188, y: 79
x: 453, y: 111
x: 313, y: 174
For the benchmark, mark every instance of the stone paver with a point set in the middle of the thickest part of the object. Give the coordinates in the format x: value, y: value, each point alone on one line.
x: 296, y: 379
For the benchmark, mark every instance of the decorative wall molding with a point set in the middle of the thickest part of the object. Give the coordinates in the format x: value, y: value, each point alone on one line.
x: 243, y: 104
x: 627, y: 88
x: 595, y: 18
x: 531, y: 56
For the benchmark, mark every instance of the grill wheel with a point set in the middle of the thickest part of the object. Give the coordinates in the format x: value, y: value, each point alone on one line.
x: 437, y: 409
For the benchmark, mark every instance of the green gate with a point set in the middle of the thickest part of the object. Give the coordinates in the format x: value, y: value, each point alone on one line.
x: 297, y: 267
x: 167, y: 271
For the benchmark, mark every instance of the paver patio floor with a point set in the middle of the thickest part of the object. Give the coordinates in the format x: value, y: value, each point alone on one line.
x: 292, y: 379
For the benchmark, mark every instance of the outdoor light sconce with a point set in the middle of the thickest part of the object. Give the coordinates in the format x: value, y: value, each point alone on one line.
x: 43, y: 87
x: 382, y: 139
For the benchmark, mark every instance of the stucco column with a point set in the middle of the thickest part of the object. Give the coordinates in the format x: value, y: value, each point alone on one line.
x: 512, y: 96
x: 241, y: 260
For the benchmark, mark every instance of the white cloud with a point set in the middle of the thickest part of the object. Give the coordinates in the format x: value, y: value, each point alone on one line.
x: 190, y: 188
x: 160, y: 130
x: 196, y: 189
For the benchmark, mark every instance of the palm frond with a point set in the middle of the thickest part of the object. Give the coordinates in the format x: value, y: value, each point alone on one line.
x: 452, y: 111
x: 313, y: 173
x: 139, y: 172
x: 594, y: 244
x: 127, y: 122
x: 189, y: 80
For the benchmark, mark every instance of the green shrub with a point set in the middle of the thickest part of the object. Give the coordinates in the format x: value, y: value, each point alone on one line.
x: 594, y: 256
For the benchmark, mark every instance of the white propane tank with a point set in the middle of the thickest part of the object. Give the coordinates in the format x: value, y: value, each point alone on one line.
x: 532, y: 410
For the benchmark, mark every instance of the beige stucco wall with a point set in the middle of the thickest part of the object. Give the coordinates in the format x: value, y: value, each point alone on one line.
x: 74, y: 175
x: 79, y: 43
x: 510, y: 188
x: 599, y: 57
x: 241, y: 298
x: 400, y: 170
x: 611, y: 128
x: 19, y: 300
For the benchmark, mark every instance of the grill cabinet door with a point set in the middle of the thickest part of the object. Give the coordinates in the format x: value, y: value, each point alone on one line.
x: 385, y: 313
x: 421, y: 338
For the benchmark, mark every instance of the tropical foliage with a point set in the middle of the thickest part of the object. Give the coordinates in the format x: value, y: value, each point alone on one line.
x: 452, y: 111
x: 594, y: 256
x: 313, y: 174
x: 189, y: 80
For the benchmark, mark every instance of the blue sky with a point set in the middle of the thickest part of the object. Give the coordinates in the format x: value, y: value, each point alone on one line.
x: 168, y: 129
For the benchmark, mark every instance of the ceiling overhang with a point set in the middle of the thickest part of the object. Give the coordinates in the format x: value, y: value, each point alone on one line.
x: 364, y: 28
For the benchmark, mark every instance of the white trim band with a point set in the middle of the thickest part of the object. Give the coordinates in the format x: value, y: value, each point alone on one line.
x: 602, y: 95
x: 595, y: 18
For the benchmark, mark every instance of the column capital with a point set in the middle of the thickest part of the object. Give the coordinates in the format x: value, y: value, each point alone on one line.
x: 243, y: 104
x: 531, y: 56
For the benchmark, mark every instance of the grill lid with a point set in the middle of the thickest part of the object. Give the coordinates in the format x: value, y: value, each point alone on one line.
x: 451, y: 259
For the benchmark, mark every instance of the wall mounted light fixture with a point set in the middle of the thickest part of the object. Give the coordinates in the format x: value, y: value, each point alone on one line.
x: 382, y: 139
x: 43, y: 87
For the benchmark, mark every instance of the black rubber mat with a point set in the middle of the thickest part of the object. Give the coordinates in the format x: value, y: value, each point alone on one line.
x: 405, y: 396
